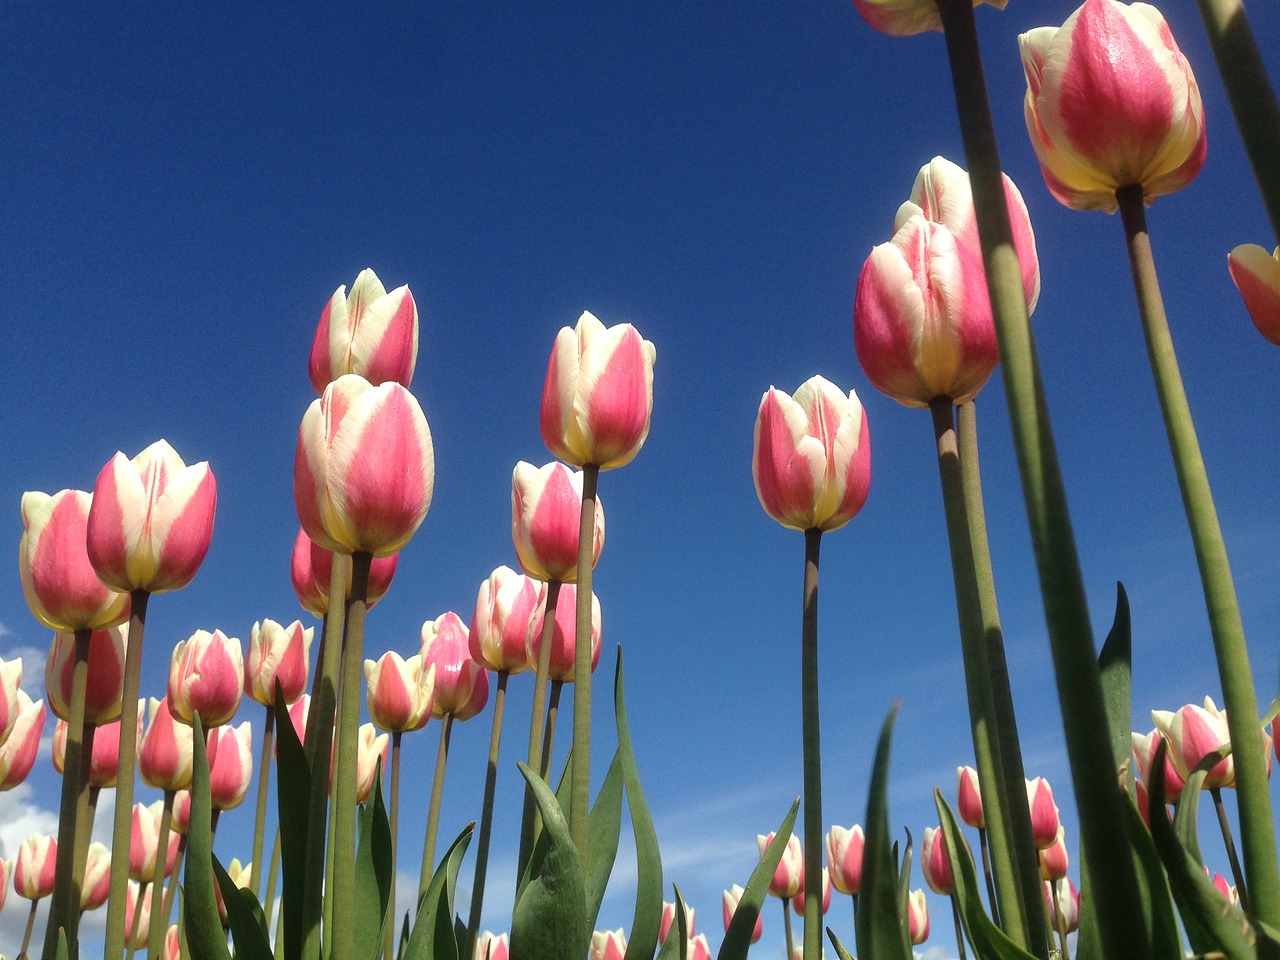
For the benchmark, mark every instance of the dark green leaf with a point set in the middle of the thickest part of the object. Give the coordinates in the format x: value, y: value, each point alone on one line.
x: 204, y: 929
x: 904, y: 883
x: 1157, y: 904
x: 603, y: 828
x: 244, y: 916
x: 880, y: 925
x: 293, y: 800
x: 433, y: 936
x: 373, y: 873
x: 564, y: 797
x: 676, y: 946
x: 647, y: 917
x: 737, y: 939
x: 1115, y: 668
x: 842, y: 952
x: 1187, y: 811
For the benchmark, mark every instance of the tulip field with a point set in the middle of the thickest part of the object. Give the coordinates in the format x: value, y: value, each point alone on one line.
x: 664, y: 482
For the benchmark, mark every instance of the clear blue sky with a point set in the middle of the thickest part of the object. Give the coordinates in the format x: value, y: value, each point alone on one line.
x: 182, y: 188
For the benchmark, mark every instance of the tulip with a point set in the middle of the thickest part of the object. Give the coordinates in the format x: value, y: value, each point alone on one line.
x: 505, y: 610
x: 206, y: 675
x: 935, y: 863
x: 172, y: 949
x: 241, y: 874
x: 844, y: 855
x: 105, y: 674
x: 730, y: 901
x: 364, y: 469
x: 151, y: 520
x: 788, y: 876
x: 164, y: 756
x: 58, y: 580
x: 97, y: 877
x: 371, y: 747
x: 546, y: 511
x: 1226, y: 888
x: 399, y: 692
x: 311, y: 568
x: 1144, y: 752
x: 608, y: 945
x: 904, y: 18
x: 1194, y: 733
x: 1053, y: 858
x: 1065, y: 906
x: 812, y: 456
x: 490, y: 946
x: 298, y: 711
x: 668, y: 921
x: 917, y: 917
x: 18, y: 755
x: 104, y: 764
x: 1044, y: 812
x: 6, y: 877
x: 1257, y: 276
x: 369, y: 332
x: 797, y: 902
x: 1111, y: 102
x: 698, y: 948
x: 280, y: 654
x: 231, y: 766
x: 33, y: 871
x: 462, y: 685
x: 136, y: 938
x: 563, y: 634
x: 144, y: 842
x: 970, y: 798
x: 11, y: 681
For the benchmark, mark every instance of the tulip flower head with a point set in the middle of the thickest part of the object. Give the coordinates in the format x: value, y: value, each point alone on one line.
x: 144, y: 842
x: 364, y: 469
x: 812, y: 456
x: 231, y: 766
x: 97, y: 877
x: 788, y: 877
x: 598, y: 394
x: 461, y: 685
x: 399, y: 692
x: 1045, y: 822
x: 241, y: 875
x: 312, y: 567
x: 917, y: 917
x: 904, y: 18
x: 151, y: 520
x: 698, y: 948
x: 105, y: 674
x: 1144, y: 754
x: 546, y: 509
x: 1112, y: 102
x: 277, y: 655
x: 970, y: 798
x: 506, y: 606
x: 1257, y: 276
x: 1194, y: 733
x: 844, y: 855
x: 18, y: 755
x: 164, y: 755
x: 492, y: 946
x: 563, y: 633
x: 136, y: 937
x: 935, y: 862
x: 368, y: 332
x: 33, y: 869
x: 1226, y: 888
x: 371, y: 748
x: 668, y: 921
x: 206, y: 676
x: 730, y: 902
x: 1054, y: 860
x: 608, y: 945
x: 172, y: 949
x: 10, y: 683
x: 1065, y: 908
x: 797, y: 902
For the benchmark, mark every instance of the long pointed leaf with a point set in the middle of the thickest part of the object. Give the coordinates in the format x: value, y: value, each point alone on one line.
x: 433, y: 936
x: 879, y: 927
x: 737, y: 939
x: 565, y: 799
x: 373, y: 873
x: 647, y: 918
x: 1187, y: 812
x: 293, y: 801
x: 1116, y: 670
x: 248, y: 927
x: 603, y: 828
x: 204, y: 929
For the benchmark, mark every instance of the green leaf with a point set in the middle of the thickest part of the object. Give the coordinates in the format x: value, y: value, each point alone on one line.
x: 62, y: 951
x: 373, y: 873
x: 842, y: 952
x: 737, y: 939
x: 879, y: 926
x: 603, y: 828
x: 647, y: 918
x: 1157, y: 904
x: 549, y: 922
x: 204, y: 929
x: 564, y: 797
x: 244, y: 916
x: 433, y: 936
x: 904, y: 883
x: 1187, y: 811
x: 293, y: 801
x: 1116, y: 670
x: 676, y: 946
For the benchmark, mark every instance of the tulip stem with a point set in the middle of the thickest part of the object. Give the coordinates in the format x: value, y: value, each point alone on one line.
x: 433, y: 812
x: 155, y: 933
x: 128, y: 759
x: 172, y: 889
x: 136, y: 918
x: 264, y: 777
x: 549, y: 734
x: 786, y: 926
x: 529, y: 818
x: 580, y: 785
x: 1104, y: 825
x: 344, y: 781
x: 26, y: 937
x: 269, y: 903
x: 986, y: 872
x: 1257, y: 831
x: 389, y: 921
x: 486, y: 816
x: 955, y: 917
x: 1229, y: 842
x: 811, y: 732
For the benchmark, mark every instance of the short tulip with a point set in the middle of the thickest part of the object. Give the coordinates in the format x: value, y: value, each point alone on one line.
x: 563, y: 633
x: 598, y: 394
x: 399, y: 692
x: 33, y: 871
x: 903, y: 18
x: 368, y: 332
x: 1257, y: 276
x: 1065, y: 908
x: 546, y: 510
x: 668, y: 921
x: 1193, y: 733
x: 1045, y: 822
x: 164, y: 755
x: 1112, y: 102
x: 18, y: 755
x: 797, y: 902
x: 1226, y: 888
x: 277, y: 655
x: 917, y: 917
x: 364, y: 469
x: 105, y: 674
x: 1144, y: 753
x: 312, y: 567
x: 935, y: 862
x: 969, y: 800
x: 730, y: 901
x: 608, y: 945
x: 58, y: 580
x: 10, y: 682
x: 241, y: 874
x: 698, y: 948
x: 506, y: 607
x: 144, y: 842
x: 172, y: 949
x: 462, y: 685
x: 136, y: 937
x: 151, y: 520
x: 812, y: 456
x: 788, y: 876
x: 492, y: 946
x: 104, y: 765
x: 1054, y: 860
x: 231, y: 766
x: 371, y: 748
x: 844, y: 855
x: 97, y: 877
x: 206, y: 676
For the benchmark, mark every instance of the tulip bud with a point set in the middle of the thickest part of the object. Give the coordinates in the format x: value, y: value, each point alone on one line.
x: 462, y: 685
x: 231, y: 766
x: 241, y: 875
x: 668, y: 921
x: 277, y: 653
x: 917, y: 917
x: 105, y: 674
x: 731, y: 898
x: 490, y: 946
x: 181, y: 822
x: 698, y: 948
x: 151, y: 520
x: 935, y: 862
x: 33, y: 873
x: 608, y: 945
x: 1065, y: 908
x: 1112, y: 102
x: 788, y: 876
x: 298, y: 711
x: 97, y: 877
x: 1226, y: 888
x: 136, y: 939
x: 546, y: 510
x: 598, y: 394
x: 1053, y: 858
x: 505, y: 609
x: 104, y: 765
x: 312, y: 567
x: 844, y: 854
x: 812, y: 456
x: 797, y: 902
x: 206, y: 676
x: 399, y: 692
x: 903, y: 18
x: 11, y: 681
x: 1194, y: 733
x: 369, y: 332
x: 172, y: 949
x: 1044, y: 812
x: 1257, y: 276
x: 970, y: 798
x: 371, y: 747
x: 563, y: 633
x: 164, y: 756
x: 1144, y: 753
x: 144, y: 842
x: 18, y: 755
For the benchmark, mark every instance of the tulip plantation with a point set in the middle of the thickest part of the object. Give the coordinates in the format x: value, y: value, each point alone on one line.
x: 289, y: 736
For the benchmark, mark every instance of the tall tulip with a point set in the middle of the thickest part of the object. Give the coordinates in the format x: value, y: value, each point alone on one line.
x: 917, y: 917
x: 935, y: 863
x: 104, y: 766
x: 729, y: 904
x: 903, y: 18
x: 164, y: 757
x: 563, y: 634
x: 206, y: 675
x: 97, y: 877
x: 844, y: 855
x: 506, y: 606
x: 1144, y: 753
x: 789, y: 873
x: 1044, y: 812
x: 312, y: 566
x: 105, y: 674
x: 1193, y: 733
x: 1053, y: 858
x: 144, y: 843
x: 546, y: 509
x: 1257, y: 276
x: 34, y: 868
x: 1112, y: 102
x: 231, y: 764
x: 18, y: 754
x: 399, y: 691
x: 369, y: 332
x: 277, y: 654
x: 462, y: 685
x: 371, y: 748
x: 969, y: 797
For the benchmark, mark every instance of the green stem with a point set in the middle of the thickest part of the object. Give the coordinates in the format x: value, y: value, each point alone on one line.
x: 433, y: 812
x: 955, y: 917
x: 529, y: 819
x: 1104, y: 827
x: 393, y: 812
x: 264, y: 777
x: 986, y: 872
x: 1230, y: 844
x: 344, y: 782
x: 1257, y: 831
x: 269, y: 903
x: 486, y: 815
x: 172, y: 888
x: 580, y: 786
x: 811, y: 731
x: 977, y: 674
x: 155, y: 930
x: 26, y: 937
x: 1253, y: 101
x: 549, y: 735
x: 128, y: 757
x: 786, y: 924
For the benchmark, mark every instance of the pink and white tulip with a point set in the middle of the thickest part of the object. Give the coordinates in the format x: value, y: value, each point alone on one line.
x: 1144, y: 754
x: 33, y: 870
x: 844, y: 856
x: 105, y: 674
x: 492, y: 946
x: 1053, y: 858
x: 788, y: 876
x: 608, y: 945
x: 462, y: 685
x: 935, y: 863
x: 598, y: 394
x: 144, y: 842
x: 903, y: 18
x: 371, y: 747
x: 729, y: 904
x: 6, y: 878
x: 206, y: 676
x: 546, y: 510
x: 1257, y: 276
x: 1065, y: 906
x: 506, y: 607
x: 797, y: 902
x: 231, y: 764
x: 104, y: 765
x: 151, y: 520
x: 10, y: 682
x: 1112, y: 102
x: 969, y: 798
x: 312, y: 567
x: 164, y: 755
x: 668, y: 921
x: 917, y: 917
x: 399, y: 692
x: 698, y: 948
x: 18, y: 755
x: 136, y: 938
x: 369, y: 332
x: 563, y: 633
x: 1194, y: 733
x: 812, y: 456
x: 277, y: 655
x: 1045, y: 821
x: 97, y: 877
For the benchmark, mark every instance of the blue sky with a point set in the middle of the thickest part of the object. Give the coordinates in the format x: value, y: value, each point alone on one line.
x: 184, y: 187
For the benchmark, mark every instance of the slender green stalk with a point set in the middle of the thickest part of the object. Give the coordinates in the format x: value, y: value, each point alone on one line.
x: 977, y: 674
x: 955, y: 917
x: 1025, y: 857
x: 433, y: 812
x: 346, y: 774
x: 272, y: 871
x: 786, y: 922
x: 1104, y: 825
x: 26, y: 937
x: 136, y: 918
x: 128, y: 757
x: 486, y: 815
x: 264, y: 777
x: 549, y: 734
x: 156, y: 929
x: 1257, y: 830
x: 172, y: 888
x: 580, y: 785
x: 529, y: 817
x: 1253, y: 101
x: 986, y: 872
x: 393, y: 812
x: 811, y: 731
x: 1230, y: 844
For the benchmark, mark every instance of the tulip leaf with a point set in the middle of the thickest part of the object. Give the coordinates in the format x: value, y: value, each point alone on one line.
x: 603, y: 828
x: 1153, y: 888
x: 62, y: 951
x: 244, y: 916
x: 373, y: 873
x: 737, y: 938
x: 1187, y: 811
x: 904, y: 882
x: 549, y: 921
x: 564, y: 798
x: 293, y: 801
x: 1273, y: 711
x: 842, y: 952
x: 204, y: 928
x: 1115, y: 666
x: 434, y: 936
x: 647, y: 917
x: 676, y: 946
x: 880, y: 918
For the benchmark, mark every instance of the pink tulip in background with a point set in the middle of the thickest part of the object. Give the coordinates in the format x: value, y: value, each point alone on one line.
x: 399, y: 692
x: 1257, y: 276
x: 491, y: 946
x: 10, y: 682
x: 1144, y: 752
x: 312, y: 566
x: 105, y: 763
x: 105, y: 674
x: 6, y: 878
x: 812, y: 456
x: 1112, y: 102
x: 462, y: 685
x: 172, y: 949
x: 371, y: 747
x: 18, y: 755
x: 668, y: 921
x: 58, y: 580
x: 729, y: 903
x: 164, y: 755
x: 1045, y: 822
x: 902, y: 18
x: 698, y: 948
x: 369, y: 332
x: 277, y: 654
x: 206, y: 676
x: 144, y: 842
x: 1226, y: 888
x: 788, y: 877
x: 241, y: 875
x: 1194, y: 733
x: 917, y: 917
x: 364, y: 469
x: 97, y: 877
x: 34, y: 866
x: 231, y: 766
x: 506, y: 606
x: 598, y: 394
x: 1053, y: 858
x: 934, y: 862
x: 969, y: 800
x: 298, y: 711
x: 152, y: 520
x: 844, y: 856
x: 546, y: 510
x: 797, y: 902
x: 136, y: 938
x: 563, y: 633
x: 608, y: 945
x: 1066, y: 905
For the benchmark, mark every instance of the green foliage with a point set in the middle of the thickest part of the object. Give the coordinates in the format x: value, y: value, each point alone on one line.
x: 373, y: 874
x: 205, y: 938
x: 603, y: 828
x: 245, y: 917
x: 293, y: 798
x: 676, y: 946
x: 434, y: 936
x: 1115, y: 665
x: 737, y: 939
x: 879, y: 927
